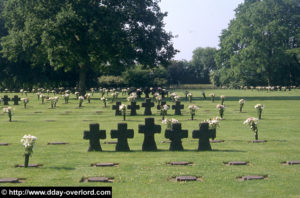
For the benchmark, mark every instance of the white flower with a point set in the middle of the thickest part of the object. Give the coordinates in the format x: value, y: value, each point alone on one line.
x: 259, y: 106
x: 170, y: 121
x: 81, y: 98
x: 242, y: 101
x: 28, y: 140
x: 189, y: 94
x: 219, y: 106
x: 222, y: 96
x: 166, y: 107
x: 87, y: 95
x: 122, y: 107
x: 193, y: 107
x: 103, y: 99
x: 25, y: 100
x: 212, y: 95
x: 7, y: 109
x: 176, y: 98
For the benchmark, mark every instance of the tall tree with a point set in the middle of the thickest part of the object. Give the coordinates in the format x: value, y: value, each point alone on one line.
x: 85, y: 34
x: 254, y: 48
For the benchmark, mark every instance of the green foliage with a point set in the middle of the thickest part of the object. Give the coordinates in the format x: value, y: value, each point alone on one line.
x: 253, y: 50
x: 111, y: 81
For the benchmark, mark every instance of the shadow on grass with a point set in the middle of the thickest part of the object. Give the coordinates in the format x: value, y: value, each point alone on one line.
x: 61, y: 168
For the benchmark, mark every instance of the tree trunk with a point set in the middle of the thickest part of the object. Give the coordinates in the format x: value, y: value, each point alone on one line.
x: 82, y: 80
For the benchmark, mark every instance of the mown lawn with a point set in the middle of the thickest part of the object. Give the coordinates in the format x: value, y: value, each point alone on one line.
x: 145, y: 174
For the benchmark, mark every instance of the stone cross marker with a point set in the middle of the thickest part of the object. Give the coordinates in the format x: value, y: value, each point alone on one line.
x: 178, y: 108
x: 203, y: 135
x: 148, y: 104
x: 94, y: 135
x: 116, y: 108
x: 175, y: 135
x: 149, y: 129
x: 133, y: 107
x: 16, y: 100
x: 122, y: 134
x: 5, y: 100
x: 147, y: 92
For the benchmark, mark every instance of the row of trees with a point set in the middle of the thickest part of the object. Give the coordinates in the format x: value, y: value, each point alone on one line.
x: 72, y: 43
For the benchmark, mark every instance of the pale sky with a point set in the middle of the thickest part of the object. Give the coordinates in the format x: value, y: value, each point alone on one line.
x: 197, y: 23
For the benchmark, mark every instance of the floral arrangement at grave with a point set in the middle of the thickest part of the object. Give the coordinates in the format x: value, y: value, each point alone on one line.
x: 38, y: 95
x: 186, y: 94
x: 139, y: 92
x: 8, y: 110
x: 122, y: 108
x: 259, y: 108
x: 176, y: 98
x: 66, y: 97
x: 22, y: 91
x: 42, y: 96
x: 114, y: 96
x: 169, y: 122
x: 158, y: 99
x: 124, y: 92
x: 28, y: 143
x: 103, y: 99
x: 25, y: 92
x: 53, y: 101
x: 80, y: 98
x: 212, y: 96
x: 241, y: 102
x: 67, y: 92
x: 163, y: 110
x: 193, y: 109
x: 213, y: 125
x: 53, y: 91
x: 0, y: 100
x: 48, y: 91
x: 221, y: 109
x: 92, y: 91
x: 172, y: 96
x: 88, y: 97
x: 252, y: 123
x: 222, y: 97
x: 132, y: 97
x: 190, y: 97
x: 25, y: 101
x: 77, y: 95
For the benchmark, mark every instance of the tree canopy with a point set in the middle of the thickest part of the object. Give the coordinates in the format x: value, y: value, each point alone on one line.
x: 260, y: 45
x: 85, y: 35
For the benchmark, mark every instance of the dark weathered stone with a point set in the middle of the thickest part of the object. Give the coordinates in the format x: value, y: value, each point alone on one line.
x: 98, y: 179
x: 252, y: 177
x: 293, y: 162
x: 16, y: 100
x: 29, y: 165
x: 94, y: 136
x: 186, y: 178
x: 9, y: 180
x: 178, y: 108
x: 122, y: 134
x: 259, y: 141
x: 149, y: 129
x: 237, y: 163
x: 203, y: 135
x: 175, y: 135
x: 116, y: 108
x: 148, y: 105
x: 4, y: 144
x: 57, y: 143
x: 133, y: 107
x: 5, y: 99
x: 107, y: 164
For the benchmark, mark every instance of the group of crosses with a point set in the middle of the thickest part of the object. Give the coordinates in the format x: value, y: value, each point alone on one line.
x: 175, y: 134
x: 147, y: 105
x: 15, y: 99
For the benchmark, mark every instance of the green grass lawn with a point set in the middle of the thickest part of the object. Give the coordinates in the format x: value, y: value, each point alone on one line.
x: 145, y: 174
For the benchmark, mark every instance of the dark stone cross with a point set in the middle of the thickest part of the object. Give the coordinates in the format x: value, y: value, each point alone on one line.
x: 122, y: 134
x: 149, y: 129
x: 175, y: 135
x: 148, y: 104
x: 133, y: 107
x: 94, y: 135
x: 147, y: 92
x: 159, y: 107
x: 5, y: 100
x: 116, y: 108
x: 16, y: 100
x: 203, y: 135
x: 178, y: 108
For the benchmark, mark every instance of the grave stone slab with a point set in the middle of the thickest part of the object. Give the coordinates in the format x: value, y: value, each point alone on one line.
x: 99, y: 179
x: 16, y: 100
x: 236, y: 163
x: 186, y: 178
x: 203, y: 135
x: 4, y: 144
x: 9, y: 180
x: 29, y: 165
x: 5, y: 99
x: 94, y: 136
x: 149, y: 129
x: 133, y: 107
x: 293, y: 162
x: 122, y: 134
x: 106, y: 164
x: 175, y: 135
x: 148, y: 105
x: 259, y: 141
x: 180, y: 163
x: 116, y: 108
x: 251, y: 177
x: 57, y: 143
x: 178, y: 108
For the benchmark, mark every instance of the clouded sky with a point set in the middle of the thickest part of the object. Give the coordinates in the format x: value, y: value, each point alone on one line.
x: 197, y: 23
